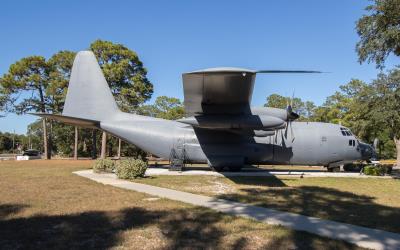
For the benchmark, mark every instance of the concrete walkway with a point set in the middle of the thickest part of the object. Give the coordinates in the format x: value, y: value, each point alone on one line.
x: 306, y: 173
x: 361, y: 236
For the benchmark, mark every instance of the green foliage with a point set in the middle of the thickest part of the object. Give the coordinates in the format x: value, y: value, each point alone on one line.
x: 59, y: 65
x: 131, y: 169
x: 104, y: 165
x: 27, y: 79
x: 379, y: 32
x: 371, y: 170
x: 164, y: 107
x: 377, y: 170
x: 21, y: 142
x: 34, y: 84
x: 5, y: 142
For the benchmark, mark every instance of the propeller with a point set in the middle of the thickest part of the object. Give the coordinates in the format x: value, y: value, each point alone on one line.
x: 377, y: 147
x: 376, y: 144
x: 291, y: 116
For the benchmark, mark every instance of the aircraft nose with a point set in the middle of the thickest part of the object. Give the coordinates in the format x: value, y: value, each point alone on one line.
x: 367, y: 151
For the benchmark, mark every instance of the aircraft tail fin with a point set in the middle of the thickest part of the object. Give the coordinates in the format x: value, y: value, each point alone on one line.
x: 89, y: 96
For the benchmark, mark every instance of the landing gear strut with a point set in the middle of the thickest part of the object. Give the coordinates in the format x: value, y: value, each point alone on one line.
x: 333, y: 169
x: 231, y: 169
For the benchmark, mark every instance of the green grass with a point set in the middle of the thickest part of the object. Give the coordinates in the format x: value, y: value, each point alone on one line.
x: 368, y: 202
x: 44, y: 206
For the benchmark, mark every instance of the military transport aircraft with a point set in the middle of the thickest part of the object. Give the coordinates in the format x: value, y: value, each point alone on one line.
x: 220, y: 127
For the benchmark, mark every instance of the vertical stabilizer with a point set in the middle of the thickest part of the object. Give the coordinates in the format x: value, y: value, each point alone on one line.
x: 88, y: 96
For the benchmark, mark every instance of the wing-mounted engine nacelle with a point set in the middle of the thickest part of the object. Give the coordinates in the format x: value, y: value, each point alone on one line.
x: 275, y: 112
x: 263, y: 133
x: 248, y: 122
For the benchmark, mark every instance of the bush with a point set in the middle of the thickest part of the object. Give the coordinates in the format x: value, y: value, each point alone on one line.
x: 386, y: 168
x: 131, y: 169
x: 371, y: 170
x: 377, y: 170
x: 104, y: 165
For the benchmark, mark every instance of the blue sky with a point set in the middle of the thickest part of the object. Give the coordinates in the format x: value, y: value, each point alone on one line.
x: 172, y: 37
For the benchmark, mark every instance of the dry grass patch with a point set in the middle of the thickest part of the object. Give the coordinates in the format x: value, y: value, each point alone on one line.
x: 44, y: 206
x: 366, y: 202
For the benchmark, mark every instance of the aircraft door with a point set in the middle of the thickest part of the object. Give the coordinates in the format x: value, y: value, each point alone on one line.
x: 330, y: 149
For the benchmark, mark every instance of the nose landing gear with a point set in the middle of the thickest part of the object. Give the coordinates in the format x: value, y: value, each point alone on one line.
x: 333, y: 169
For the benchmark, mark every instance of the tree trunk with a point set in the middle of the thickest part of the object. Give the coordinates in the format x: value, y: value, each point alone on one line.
x: 50, y: 140
x: 43, y: 109
x: 119, y: 148
x: 397, y: 142
x: 94, y: 140
x: 76, y: 144
x: 46, y: 155
x: 103, y: 145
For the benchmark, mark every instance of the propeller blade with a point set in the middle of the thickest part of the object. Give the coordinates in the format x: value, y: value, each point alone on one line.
x: 291, y: 131
x: 288, y: 71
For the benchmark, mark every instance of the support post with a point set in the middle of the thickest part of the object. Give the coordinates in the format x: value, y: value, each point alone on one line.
x: 94, y: 140
x: 119, y: 148
x: 103, y: 145
x: 45, y: 138
x: 76, y: 144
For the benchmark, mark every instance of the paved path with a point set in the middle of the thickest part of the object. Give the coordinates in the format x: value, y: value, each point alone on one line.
x: 305, y: 173
x: 361, y: 236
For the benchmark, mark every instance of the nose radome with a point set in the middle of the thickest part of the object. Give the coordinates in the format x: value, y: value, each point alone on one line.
x: 367, y: 151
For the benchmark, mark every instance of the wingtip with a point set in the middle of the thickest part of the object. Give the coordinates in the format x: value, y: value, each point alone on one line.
x: 289, y: 71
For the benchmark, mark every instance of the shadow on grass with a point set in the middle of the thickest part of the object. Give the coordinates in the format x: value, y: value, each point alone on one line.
x: 9, y: 209
x: 265, y: 181
x: 326, y: 203
x: 178, y: 229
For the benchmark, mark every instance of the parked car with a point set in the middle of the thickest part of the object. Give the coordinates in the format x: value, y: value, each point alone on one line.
x: 31, y: 152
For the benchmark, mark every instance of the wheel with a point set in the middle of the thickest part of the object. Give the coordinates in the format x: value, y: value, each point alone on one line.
x: 334, y: 169
x: 235, y: 168
x: 348, y: 167
x: 217, y: 168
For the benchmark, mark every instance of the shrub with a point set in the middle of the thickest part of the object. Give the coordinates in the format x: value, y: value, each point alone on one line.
x: 386, y: 168
x: 131, y: 169
x: 371, y: 170
x: 104, y: 165
x: 377, y: 170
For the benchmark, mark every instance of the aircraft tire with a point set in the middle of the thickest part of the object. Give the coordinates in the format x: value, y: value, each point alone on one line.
x: 235, y: 169
x: 334, y: 169
x: 217, y: 169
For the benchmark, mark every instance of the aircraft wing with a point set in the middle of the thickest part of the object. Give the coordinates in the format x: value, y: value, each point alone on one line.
x: 225, y: 91
x: 219, y: 98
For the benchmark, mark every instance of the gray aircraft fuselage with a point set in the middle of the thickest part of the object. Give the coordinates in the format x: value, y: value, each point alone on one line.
x: 307, y: 143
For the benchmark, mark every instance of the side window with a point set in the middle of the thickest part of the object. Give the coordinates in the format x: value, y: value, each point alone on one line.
x: 350, y: 142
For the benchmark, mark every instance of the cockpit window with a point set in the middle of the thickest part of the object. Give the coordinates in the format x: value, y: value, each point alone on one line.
x: 345, y: 131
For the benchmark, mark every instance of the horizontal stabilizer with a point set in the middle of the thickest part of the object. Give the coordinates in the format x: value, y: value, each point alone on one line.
x: 70, y: 120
